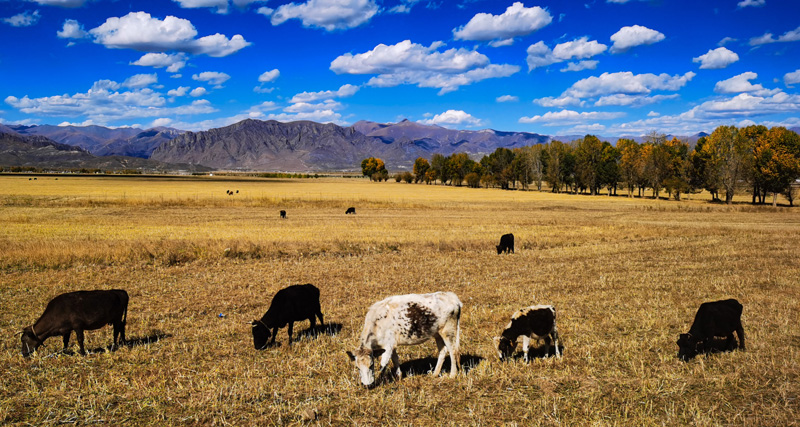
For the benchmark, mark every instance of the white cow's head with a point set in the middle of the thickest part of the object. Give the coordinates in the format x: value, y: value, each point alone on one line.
x: 364, y: 362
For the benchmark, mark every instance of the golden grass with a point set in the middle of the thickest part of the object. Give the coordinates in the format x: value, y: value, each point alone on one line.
x: 626, y: 276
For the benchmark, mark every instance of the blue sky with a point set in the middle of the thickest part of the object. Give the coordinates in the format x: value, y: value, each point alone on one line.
x: 606, y: 67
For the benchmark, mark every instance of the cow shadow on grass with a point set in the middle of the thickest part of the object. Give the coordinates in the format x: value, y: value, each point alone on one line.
x: 538, y: 353
x: 330, y: 329
x: 426, y: 365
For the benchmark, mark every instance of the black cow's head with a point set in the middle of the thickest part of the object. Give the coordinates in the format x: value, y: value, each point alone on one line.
x: 260, y: 334
x: 499, y: 249
x: 30, y: 342
x: 505, y: 347
x: 688, y: 347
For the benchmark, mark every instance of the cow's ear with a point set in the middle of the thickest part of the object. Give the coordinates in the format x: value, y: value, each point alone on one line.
x: 378, y: 352
x: 351, y: 356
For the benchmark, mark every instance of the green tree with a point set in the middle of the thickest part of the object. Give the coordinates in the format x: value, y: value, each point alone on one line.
x: 439, y: 167
x: 752, y: 134
x: 629, y: 162
x: 421, y: 167
x: 610, y: 174
x: 588, y: 160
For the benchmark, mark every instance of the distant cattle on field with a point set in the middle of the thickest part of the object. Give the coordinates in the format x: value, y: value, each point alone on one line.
x: 350, y: 210
x: 713, y: 319
x: 78, y: 311
x: 283, y: 214
x: 289, y: 305
x: 506, y: 244
x: 237, y: 191
x: 408, y: 320
x: 537, y: 322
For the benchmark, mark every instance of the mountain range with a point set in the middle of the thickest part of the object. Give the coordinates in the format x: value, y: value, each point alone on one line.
x: 272, y: 145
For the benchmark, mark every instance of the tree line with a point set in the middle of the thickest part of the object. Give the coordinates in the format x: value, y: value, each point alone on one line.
x: 755, y: 159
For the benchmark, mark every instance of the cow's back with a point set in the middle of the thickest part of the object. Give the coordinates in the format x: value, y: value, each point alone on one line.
x: 410, y: 319
x: 717, y: 318
x: 85, y: 309
x: 296, y: 302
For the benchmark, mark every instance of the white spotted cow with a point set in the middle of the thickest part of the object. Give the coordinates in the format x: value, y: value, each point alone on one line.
x: 536, y: 322
x: 408, y: 320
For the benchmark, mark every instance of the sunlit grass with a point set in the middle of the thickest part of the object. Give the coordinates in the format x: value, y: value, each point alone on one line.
x: 626, y: 276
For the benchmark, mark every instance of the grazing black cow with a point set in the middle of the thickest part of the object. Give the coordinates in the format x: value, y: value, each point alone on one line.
x: 713, y: 319
x: 237, y: 191
x: 350, y: 211
x: 283, y: 214
x: 506, y: 244
x: 289, y: 305
x: 537, y: 322
x: 78, y: 311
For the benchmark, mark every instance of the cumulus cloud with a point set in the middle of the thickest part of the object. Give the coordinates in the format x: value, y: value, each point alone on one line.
x: 580, y: 66
x: 738, y: 84
x: 540, y: 55
x: 215, y: 78
x: 411, y: 63
x: 562, y: 101
x: 621, y: 99
x: 139, y: 31
x: 717, y: 58
x: 140, y: 81
x: 792, y: 78
x: 560, y: 118
x: 507, y: 98
x: 179, y: 91
x: 61, y: 3
x: 198, y: 92
x: 24, y: 19
x: 622, y: 88
x: 327, y: 14
x: 221, y: 5
x: 636, y: 35
x: 453, y: 118
x: 754, y: 3
x: 174, y: 62
x: 104, y: 103
x: 343, y: 92
x: 72, y: 29
x: 789, y: 36
x: 516, y: 21
x: 269, y: 76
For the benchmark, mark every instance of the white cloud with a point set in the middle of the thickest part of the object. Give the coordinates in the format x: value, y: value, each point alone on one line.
x: 266, y: 11
x: 262, y: 89
x: 738, y: 84
x: 560, y: 118
x: 174, y: 62
x: 139, y: 81
x: 580, y: 66
x: 61, y: 3
x: 653, y: 114
x: 179, y: 91
x: 404, y: 7
x: 561, y: 101
x: 269, y: 76
x: 211, y: 77
x: 755, y: 3
x: 139, y: 31
x: 24, y: 19
x: 789, y: 36
x: 502, y: 42
x: 540, y: 55
x: 160, y: 122
x: 307, y: 107
x: 507, y: 98
x: 343, y: 92
x: 621, y: 99
x: 726, y: 40
x: 72, y: 29
x: 411, y: 63
x: 221, y: 5
x: 717, y: 58
x: 516, y: 21
x: 103, y: 103
x: 628, y: 37
x: 453, y: 117
x: 792, y: 78
x: 198, y: 91
x: 328, y: 14
x: 627, y: 83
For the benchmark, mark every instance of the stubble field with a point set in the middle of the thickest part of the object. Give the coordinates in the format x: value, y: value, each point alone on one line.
x: 625, y: 275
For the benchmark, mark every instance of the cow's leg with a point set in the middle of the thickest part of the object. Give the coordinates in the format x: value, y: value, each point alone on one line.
x: 554, y: 334
x: 291, y: 327
x: 450, y: 335
x: 740, y: 334
x: 274, y: 335
x: 396, y: 362
x: 386, y: 357
x: 321, y: 322
x: 526, y: 341
x: 66, y: 340
x: 313, y: 325
x: 440, y: 344
x: 79, y: 337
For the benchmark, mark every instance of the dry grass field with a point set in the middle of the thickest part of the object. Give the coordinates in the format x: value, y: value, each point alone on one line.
x: 625, y: 275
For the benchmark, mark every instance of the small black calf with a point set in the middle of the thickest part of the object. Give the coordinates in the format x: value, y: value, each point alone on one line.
x: 713, y: 319
x: 506, y: 244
